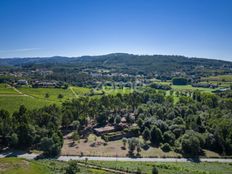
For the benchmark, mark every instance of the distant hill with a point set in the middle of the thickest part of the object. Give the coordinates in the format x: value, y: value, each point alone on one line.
x: 128, y: 63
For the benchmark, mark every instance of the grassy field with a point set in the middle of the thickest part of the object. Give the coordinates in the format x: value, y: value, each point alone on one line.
x: 168, y: 168
x: 114, y: 148
x: 80, y: 90
x: 52, y: 92
x: 187, y: 87
x: 21, y: 166
x: 7, y: 90
x: 12, y: 103
x: 117, y: 90
x: 32, y: 98
x: 221, y: 78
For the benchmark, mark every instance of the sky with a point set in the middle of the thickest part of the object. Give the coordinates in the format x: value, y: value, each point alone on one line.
x: 40, y: 28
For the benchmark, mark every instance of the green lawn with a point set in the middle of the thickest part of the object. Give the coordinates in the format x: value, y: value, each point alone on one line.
x: 169, y: 168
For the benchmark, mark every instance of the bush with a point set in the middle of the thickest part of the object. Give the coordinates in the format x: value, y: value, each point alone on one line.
x: 155, y: 170
x: 160, y: 86
x: 72, y: 168
x: 166, y: 147
x: 47, y: 95
x: 135, y: 130
x: 60, y: 96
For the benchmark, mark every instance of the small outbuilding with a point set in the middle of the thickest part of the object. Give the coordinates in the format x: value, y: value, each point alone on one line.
x: 104, y: 130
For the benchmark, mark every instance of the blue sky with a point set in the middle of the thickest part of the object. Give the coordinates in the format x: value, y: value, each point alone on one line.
x: 195, y: 28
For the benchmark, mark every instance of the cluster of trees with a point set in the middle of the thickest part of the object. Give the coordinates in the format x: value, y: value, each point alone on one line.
x: 197, y: 121
x: 37, y: 129
x: 160, y: 86
x: 179, y: 81
x: 193, y: 123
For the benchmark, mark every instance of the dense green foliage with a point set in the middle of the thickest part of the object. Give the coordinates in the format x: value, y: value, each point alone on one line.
x: 37, y: 129
x: 72, y: 168
x: 179, y: 81
x: 198, y: 120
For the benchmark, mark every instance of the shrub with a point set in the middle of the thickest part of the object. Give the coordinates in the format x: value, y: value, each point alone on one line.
x: 72, y: 168
x: 47, y: 95
x: 155, y: 170
x: 166, y: 147
x: 60, y: 96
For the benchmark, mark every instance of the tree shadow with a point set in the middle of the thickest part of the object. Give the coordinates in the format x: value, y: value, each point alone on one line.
x: 192, y: 158
x: 123, y: 148
x: 72, y: 144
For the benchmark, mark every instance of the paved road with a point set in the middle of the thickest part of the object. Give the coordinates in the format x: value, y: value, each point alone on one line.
x: 18, y: 154
x: 67, y: 158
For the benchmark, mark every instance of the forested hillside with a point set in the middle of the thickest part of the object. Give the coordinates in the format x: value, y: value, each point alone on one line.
x: 128, y: 63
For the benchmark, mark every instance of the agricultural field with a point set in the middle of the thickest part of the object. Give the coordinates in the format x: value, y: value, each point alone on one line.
x: 11, y: 98
x: 52, y: 93
x: 168, y: 168
x: 12, y: 103
x: 186, y: 87
x: 224, y: 81
x: 189, y: 87
x: 7, y: 90
x: 80, y: 90
x: 111, y: 91
x: 22, y: 166
x: 221, y: 78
